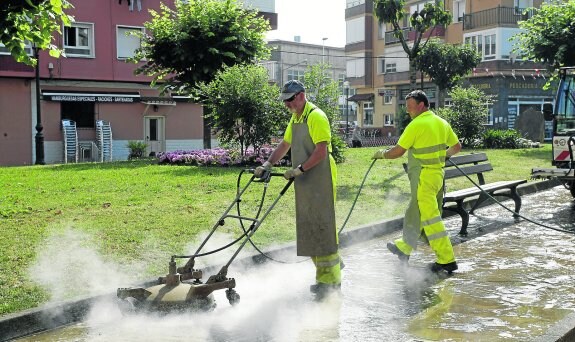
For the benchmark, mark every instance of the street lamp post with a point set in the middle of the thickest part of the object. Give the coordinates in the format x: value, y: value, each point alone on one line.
x: 323, y: 50
x: 39, y: 138
x: 346, y: 93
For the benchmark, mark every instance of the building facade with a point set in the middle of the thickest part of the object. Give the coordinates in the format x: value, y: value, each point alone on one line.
x: 93, y: 84
x: 290, y: 59
x: 378, y: 67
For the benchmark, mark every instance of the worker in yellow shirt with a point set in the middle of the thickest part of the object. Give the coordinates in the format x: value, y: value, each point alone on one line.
x: 308, y: 134
x: 429, y: 140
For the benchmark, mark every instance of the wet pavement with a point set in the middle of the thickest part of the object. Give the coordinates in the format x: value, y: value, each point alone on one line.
x: 513, y: 284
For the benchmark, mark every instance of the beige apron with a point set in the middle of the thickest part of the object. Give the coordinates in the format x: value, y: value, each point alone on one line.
x: 412, y: 219
x: 315, y: 212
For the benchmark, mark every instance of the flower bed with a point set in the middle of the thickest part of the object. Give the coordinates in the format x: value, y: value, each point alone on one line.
x: 217, y: 157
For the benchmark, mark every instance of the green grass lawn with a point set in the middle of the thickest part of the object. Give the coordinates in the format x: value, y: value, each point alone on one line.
x: 136, y: 212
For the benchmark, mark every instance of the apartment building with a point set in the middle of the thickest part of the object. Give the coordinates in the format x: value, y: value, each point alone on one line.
x: 290, y: 59
x: 94, y: 84
x: 378, y: 66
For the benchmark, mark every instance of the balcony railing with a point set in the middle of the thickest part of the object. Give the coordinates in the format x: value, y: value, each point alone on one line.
x: 409, y: 33
x: 496, y: 17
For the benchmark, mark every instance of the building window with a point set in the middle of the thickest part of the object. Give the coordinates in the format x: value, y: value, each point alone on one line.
x: 387, y: 99
x: 485, y: 45
x: 418, y: 7
x: 79, y: 40
x: 340, y: 80
x: 382, y: 28
x: 355, y: 67
x: 126, y: 42
x: 82, y: 113
x: 295, y: 74
x: 380, y: 65
x: 368, y: 113
x: 458, y: 10
x: 490, y: 46
x: 355, y: 30
x: 489, y: 115
x: 390, y: 67
x: 388, y: 120
x: 476, y: 42
x: 353, y: 3
x: 4, y: 50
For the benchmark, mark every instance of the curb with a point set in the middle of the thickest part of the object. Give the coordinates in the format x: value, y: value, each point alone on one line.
x: 49, y: 317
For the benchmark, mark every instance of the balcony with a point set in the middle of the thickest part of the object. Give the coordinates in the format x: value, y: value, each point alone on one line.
x: 498, y: 16
x: 409, y: 33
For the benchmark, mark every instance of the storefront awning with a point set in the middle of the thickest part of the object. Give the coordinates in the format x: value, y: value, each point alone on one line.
x: 360, y: 97
x: 54, y: 95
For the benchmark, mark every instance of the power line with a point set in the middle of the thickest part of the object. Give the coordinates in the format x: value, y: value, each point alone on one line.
x: 338, y: 56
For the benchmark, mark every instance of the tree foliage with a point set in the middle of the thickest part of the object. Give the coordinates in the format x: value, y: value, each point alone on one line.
x: 445, y: 64
x: 244, y: 107
x: 467, y: 115
x: 549, y: 35
x: 191, y: 43
x: 324, y: 92
x: 32, y: 21
x: 423, y: 23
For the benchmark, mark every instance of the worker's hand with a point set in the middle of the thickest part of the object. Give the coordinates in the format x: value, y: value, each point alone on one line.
x: 292, y: 173
x: 379, y: 155
x: 261, y: 170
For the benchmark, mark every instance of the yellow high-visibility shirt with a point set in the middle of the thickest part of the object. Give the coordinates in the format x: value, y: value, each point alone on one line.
x: 317, y: 123
x: 428, y: 136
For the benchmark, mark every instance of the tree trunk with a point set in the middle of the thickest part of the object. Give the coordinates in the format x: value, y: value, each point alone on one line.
x: 207, y: 133
x: 412, y: 75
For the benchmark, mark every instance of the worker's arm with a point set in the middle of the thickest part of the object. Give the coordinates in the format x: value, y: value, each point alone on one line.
x: 453, y: 150
x: 279, y: 152
x: 394, y: 152
x: 318, y: 154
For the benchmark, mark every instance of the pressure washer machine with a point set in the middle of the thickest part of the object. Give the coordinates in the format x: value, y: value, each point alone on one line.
x: 182, y: 288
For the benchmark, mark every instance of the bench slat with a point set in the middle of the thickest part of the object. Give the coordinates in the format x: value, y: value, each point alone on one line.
x: 466, y: 159
x: 474, y: 191
x: 470, y: 170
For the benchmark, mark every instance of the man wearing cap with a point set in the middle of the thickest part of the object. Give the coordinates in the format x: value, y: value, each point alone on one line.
x: 308, y: 134
x: 429, y: 140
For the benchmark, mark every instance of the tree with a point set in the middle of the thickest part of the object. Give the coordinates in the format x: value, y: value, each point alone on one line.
x: 402, y: 119
x: 32, y: 21
x: 445, y: 64
x: 467, y: 115
x: 244, y: 107
x: 192, y: 43
x: 324, y: 92
x: 423, y: 23
x: 549, y: 35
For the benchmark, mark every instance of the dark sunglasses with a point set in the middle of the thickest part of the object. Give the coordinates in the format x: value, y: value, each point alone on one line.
x: 291, y: 98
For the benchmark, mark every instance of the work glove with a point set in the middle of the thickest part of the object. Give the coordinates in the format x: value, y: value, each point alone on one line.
x: 293, y: 173
x: 379, y: 155
x: 260, y: 170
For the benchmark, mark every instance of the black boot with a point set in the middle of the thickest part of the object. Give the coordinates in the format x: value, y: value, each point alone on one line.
x: 393, y: 249
x: 449, y: 268
x: 321, y: 290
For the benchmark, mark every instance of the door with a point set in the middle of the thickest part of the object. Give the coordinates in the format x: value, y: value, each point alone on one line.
x: 154, y: 134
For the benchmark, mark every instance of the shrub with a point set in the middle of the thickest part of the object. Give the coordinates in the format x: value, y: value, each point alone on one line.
x: 137, y: 149
x: 496, y: 138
